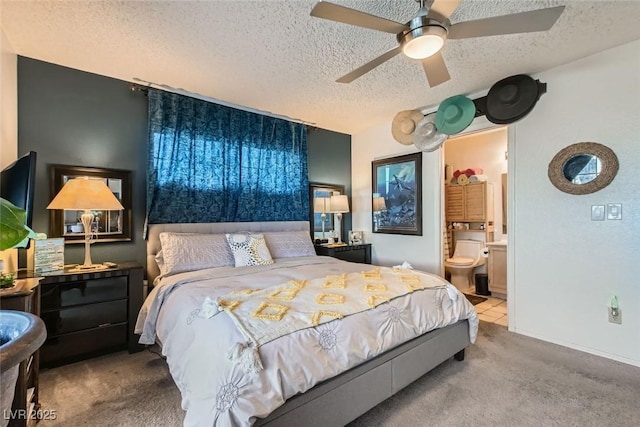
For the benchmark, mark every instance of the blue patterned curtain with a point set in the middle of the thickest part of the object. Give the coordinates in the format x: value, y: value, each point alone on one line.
x: 212, y: 163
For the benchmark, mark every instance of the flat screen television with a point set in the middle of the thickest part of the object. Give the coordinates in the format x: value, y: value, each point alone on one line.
x: 17, y: 185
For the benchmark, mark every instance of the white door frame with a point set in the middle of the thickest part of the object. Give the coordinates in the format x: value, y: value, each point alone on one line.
x: 482, y: 124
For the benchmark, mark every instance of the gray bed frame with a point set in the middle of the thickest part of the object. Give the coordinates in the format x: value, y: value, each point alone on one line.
x: 342, y: 399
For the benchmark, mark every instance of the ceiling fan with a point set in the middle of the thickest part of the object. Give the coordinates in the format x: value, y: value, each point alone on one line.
x: 424, y: 36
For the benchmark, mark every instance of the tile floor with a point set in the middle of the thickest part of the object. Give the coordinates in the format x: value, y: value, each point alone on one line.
x: 493, y: 310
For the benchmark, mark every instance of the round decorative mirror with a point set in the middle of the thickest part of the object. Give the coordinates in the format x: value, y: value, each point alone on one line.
x: 583, y: 168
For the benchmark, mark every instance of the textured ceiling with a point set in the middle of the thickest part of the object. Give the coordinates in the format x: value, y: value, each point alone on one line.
x: 272, y: 56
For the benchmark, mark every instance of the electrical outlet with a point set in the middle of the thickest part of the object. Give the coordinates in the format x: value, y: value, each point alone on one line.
x: 615, y: 315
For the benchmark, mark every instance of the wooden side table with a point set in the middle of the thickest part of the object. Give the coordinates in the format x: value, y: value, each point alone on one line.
x: 353, y: 253
x: 25, y: 296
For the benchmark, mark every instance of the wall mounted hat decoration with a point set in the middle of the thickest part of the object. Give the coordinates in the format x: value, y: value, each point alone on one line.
x: 512, y: 98
x: 426, y: 137
x: 455, y: 114
x: 404, y: 124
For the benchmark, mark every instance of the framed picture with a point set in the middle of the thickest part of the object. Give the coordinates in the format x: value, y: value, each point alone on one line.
x: 397, y: 181
x: 108, y: 226
x: 355, y: 237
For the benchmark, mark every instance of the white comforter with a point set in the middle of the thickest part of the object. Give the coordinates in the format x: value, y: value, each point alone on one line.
x: 217, y: 391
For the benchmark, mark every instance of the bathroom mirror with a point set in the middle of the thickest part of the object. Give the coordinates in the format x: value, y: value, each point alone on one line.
x: 322, y: 221
x: 583, y: 168
x: 503, y: 179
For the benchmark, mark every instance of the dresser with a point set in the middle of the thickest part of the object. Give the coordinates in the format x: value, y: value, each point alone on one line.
x: 353, y: 253
x: 90, y: 313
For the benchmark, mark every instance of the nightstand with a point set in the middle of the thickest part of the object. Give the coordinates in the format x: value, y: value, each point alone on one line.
x: 352, y: 253
x: 90, y: 313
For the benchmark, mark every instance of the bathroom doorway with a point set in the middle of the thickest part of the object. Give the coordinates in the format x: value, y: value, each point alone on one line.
x: 482, y: 154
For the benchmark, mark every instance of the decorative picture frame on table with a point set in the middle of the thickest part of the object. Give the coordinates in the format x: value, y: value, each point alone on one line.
x: 356, y: 237
x: 110, y: 226
x: 398, y: 180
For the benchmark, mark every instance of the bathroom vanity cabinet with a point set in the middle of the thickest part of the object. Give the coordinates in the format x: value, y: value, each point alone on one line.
x: 497, y: 269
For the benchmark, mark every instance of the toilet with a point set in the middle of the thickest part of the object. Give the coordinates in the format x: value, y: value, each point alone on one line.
x: 466, y: 257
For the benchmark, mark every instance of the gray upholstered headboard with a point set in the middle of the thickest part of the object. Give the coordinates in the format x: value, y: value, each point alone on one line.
x: 153, y: 236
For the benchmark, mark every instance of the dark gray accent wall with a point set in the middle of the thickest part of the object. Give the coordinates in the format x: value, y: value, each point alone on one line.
x: 330, y: 162
x: 71, y: 117
x: 75, y: 118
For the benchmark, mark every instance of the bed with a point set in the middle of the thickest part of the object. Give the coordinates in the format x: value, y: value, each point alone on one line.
x: 322, y: 375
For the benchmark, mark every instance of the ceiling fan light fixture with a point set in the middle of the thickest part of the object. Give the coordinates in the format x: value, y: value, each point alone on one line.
x: 423, y: 42
x: 423, y: 46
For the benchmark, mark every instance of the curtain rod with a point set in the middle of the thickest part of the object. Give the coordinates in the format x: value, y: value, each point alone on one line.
x: 137, y: 87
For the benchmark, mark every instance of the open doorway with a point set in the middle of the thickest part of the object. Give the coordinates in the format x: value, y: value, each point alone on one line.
x: 476, y: 211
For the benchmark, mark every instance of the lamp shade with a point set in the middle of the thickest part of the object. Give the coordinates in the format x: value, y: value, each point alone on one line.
x: 321, y: 204
x: 379, y: 204
x: 85, y: 194
x: 339, y: 204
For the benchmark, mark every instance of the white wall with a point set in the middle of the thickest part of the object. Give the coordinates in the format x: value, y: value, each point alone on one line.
x: 566, y: 266
x: 422, y: 252
x: 8, y: 122
x: 563, y: 267
x: 8, y: 102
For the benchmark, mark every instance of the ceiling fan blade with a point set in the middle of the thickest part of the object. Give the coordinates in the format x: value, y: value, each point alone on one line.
x: 523, y: 22
x: 348, y: 78
x: 444, y: 7
x: 345, y: 15
x: 435, y: 69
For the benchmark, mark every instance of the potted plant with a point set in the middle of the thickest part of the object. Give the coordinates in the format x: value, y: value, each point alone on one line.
x: 13, y: 230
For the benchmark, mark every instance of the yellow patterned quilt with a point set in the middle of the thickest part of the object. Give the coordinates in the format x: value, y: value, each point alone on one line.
x: 267, y: 314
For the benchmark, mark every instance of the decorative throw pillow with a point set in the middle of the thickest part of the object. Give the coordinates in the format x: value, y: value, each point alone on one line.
x: 249, y: 249
x: 286, y: 244
x: 189, y: 252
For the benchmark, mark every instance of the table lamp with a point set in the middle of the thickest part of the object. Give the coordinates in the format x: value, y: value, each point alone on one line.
x: 85, y: 194
x: 339, y: 205
x: 321, y: 204
x: 379, y: 205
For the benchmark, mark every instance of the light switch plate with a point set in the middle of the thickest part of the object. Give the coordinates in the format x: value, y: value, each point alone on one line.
x: 597, y: 213
x: 614, y: 211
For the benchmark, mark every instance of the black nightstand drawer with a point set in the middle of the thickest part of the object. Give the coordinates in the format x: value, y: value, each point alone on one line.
x: 90, y: 313
x: 80, y: 345
x: 83, y: 292
x: 353, y: 253
x: 84, y: 317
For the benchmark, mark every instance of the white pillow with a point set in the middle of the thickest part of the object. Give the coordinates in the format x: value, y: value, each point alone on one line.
x: 286, y: 244
x: 189, y: 252
x: 160, y: 260
x: 249, y: 249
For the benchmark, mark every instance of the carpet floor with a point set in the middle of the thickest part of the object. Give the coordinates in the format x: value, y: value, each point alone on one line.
x: 505, y: 380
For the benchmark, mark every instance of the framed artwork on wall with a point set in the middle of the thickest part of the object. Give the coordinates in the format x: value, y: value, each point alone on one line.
x: 397, y: 181
x: 108, y: 226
